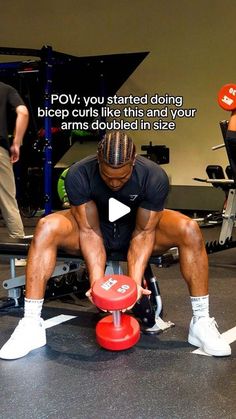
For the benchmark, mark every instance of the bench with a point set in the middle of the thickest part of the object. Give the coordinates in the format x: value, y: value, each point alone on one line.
x: 68, y: 264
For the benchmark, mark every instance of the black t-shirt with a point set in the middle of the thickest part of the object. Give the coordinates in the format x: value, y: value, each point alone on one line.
x: 147, y: 188
x: 9, y: 100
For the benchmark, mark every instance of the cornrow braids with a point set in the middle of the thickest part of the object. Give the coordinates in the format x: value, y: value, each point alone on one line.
x: 116, y: 149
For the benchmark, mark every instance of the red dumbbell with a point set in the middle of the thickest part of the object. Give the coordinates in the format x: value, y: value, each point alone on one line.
x: 114, y: 293
x: 227, y: 97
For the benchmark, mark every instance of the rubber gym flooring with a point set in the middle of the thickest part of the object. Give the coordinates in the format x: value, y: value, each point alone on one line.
x: 161, y: 377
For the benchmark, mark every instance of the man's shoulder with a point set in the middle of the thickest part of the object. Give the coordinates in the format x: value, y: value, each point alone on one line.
x: 87, y: 162
x: 147, y: 165
x: 11, y: 94
x: 86, y: 165
x: 4, y: 86
x: 149, y: 173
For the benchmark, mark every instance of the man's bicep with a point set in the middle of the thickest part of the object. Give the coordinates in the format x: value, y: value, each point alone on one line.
x: 147, y: 220
x: 86, y: 215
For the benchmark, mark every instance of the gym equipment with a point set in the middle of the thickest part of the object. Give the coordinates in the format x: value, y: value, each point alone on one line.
x: 68, y: 266
x: 227, y: 97
x: 229, y: 187
x: 61, y: 190
x: 214, y: 173
x: 117, y: 331
x: 227, y: 216
x: 30, y: 200
x: 157, y: 153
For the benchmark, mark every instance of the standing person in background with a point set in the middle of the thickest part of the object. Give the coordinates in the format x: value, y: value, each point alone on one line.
x: 9, y: 154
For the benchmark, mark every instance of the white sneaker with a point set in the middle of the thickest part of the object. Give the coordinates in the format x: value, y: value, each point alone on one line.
x: 204, y: 334
x: 159, y: 326
x: 28, y: 335
x: 20, y: 262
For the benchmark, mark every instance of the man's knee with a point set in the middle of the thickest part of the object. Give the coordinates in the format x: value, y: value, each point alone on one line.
x: 48, y: 228
x: 190, y: 232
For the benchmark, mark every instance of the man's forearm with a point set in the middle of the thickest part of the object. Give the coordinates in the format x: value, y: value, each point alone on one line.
x: 140, y: 250
x: 94, y: 254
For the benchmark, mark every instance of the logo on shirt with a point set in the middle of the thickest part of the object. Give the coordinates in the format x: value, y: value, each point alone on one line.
x: 132, y: 197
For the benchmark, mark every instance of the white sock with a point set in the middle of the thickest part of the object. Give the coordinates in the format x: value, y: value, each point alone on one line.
x: 200, y: 306
x: 33, y: 308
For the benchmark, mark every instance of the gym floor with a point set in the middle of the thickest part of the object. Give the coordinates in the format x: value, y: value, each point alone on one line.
x: 160, y: 377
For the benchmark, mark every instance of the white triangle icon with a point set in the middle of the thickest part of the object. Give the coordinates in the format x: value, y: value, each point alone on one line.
x: 116, y: 209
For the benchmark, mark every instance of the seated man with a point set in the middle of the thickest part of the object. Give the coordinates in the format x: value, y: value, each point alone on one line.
x: 116, y: 172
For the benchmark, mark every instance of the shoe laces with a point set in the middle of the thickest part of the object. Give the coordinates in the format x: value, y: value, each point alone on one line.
x: 213, y: 325
x: 21, y: 329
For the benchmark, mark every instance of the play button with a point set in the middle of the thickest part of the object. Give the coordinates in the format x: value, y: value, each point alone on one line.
x: 116, y: 209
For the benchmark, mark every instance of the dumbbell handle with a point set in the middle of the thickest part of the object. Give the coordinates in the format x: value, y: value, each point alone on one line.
x: 116, y: 315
